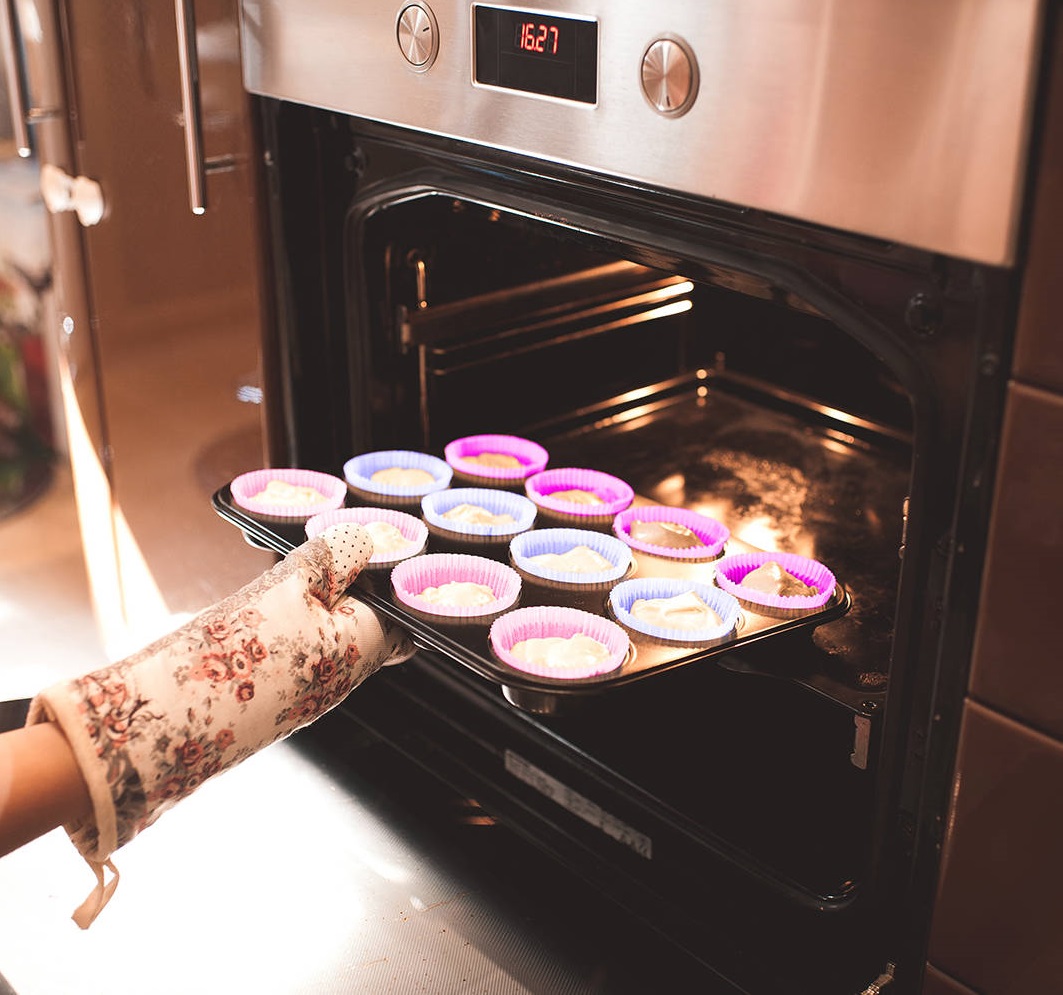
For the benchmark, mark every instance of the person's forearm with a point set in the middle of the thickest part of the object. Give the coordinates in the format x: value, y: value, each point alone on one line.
x: 41, y: 786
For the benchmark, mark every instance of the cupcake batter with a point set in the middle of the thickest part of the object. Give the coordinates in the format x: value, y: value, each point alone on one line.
x: 386, y: 537
x: 772, y: 578
x: 578, y: 560
x: 458, y: 594
x: 684, y: 611
x: 558, y: 653
x: 671, y: 535
x: 290, y: 495
x: 502, y: 461
x: 402, y: 476
x: 576, y: 495
x: 474, y: 514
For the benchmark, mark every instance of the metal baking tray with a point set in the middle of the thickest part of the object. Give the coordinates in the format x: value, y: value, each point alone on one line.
x: 468, y: 645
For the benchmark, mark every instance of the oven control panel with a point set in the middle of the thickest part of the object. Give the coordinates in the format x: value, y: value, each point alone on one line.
x: 836, y: 114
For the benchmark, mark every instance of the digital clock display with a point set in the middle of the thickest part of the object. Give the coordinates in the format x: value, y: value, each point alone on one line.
x: 536, y: 53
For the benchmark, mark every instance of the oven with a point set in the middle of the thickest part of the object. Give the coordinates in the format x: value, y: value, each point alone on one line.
x: 761, y: 262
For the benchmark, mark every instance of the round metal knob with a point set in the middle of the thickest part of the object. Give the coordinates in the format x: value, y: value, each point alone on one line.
x: 418, y: 36
x: 669, y: 76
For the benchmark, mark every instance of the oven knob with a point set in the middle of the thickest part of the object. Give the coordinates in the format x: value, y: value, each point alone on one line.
x: 669, y: 76
x: 418, y: 36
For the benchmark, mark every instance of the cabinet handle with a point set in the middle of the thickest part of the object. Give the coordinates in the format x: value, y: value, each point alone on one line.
x: 16, y: 91
x: 188, y: 61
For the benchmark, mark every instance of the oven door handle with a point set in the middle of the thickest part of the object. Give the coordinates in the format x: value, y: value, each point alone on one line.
x: 191, y: 111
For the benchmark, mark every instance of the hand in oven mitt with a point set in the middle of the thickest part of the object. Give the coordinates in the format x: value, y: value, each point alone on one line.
x: 264, y: 662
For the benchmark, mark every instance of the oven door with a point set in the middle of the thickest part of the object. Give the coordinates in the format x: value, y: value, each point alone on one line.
x: 773, y: 808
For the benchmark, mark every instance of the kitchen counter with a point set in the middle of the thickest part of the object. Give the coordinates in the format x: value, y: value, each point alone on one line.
x: 296, y: 873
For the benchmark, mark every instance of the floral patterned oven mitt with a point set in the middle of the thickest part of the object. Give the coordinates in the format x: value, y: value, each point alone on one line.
x: 147, y: 731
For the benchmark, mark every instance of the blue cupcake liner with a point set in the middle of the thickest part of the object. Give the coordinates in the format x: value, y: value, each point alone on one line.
x: 541, y: 541
x: 627, y: 592
x: 434, y: 506
x: 358, y: 470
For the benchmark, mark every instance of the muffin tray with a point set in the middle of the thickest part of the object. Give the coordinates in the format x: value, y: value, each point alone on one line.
x: 468, y: 644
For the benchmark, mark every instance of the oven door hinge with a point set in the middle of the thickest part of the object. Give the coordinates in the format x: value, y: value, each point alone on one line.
x: 882, y: 982
x: 861, y: 741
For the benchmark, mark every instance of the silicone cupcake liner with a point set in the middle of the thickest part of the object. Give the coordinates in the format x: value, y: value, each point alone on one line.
x: 412, y: 576
x: 626, y: 593
x: 540, y: 622
x: 413, y: 529
x: 533, y: 458
x: 244, y: 488
x: 359, y: 470
x: 730, y: 570
x: 531, y: 544
x: 615, y: 494
x: 435, y: 506
x: 711, y: 532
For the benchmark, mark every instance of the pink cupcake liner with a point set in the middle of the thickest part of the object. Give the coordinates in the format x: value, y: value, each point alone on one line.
x: 730, y: 570
x: 532, y: 456
x: 413, y: 529
x: 711, y: 532
x: 411, y: 577
x: 542, y: 622
x: 247, y: 485
x: 615, y: 494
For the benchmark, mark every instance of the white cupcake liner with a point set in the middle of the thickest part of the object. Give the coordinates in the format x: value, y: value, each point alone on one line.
x: 359, y: 469
x: 532, y: 456
x: 412, y: 576
x: 542, y: 622
x: 435, y: 506
x: 730, y: 570
x: 711, y: 532
x: 413, y: 529
x: 530, y: 544
x: 626, y: 593
x: 615, y: 493
x: 247, y: 485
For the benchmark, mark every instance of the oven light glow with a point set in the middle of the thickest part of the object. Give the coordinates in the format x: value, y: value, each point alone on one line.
x: 672, y: 486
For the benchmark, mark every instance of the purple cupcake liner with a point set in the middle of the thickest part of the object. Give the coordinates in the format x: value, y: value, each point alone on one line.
x: 626, y: 593
x: 542, y: 622
x: 541, y: 541
x: 244, y: 488
x: 435, y: 506
x: 732, y: 569
x: 413, y: 529
x: 532, y: 456
x: 359, y: 470
x: 413, y: 576
x: 615, y: 494
x: 711, y: 532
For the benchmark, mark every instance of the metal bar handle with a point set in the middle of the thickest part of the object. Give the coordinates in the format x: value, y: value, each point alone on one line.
x: 188, y: 61
x: 16, y: 91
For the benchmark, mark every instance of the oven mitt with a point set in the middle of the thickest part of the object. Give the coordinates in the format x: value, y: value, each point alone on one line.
x: 147, y: 731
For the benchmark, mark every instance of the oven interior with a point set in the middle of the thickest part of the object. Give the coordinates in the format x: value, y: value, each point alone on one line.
x: 713, y: 390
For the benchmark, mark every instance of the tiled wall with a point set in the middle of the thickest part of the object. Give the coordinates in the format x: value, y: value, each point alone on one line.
x: 998, y: 922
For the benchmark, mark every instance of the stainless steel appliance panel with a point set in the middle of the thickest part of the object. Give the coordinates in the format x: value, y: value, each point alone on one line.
x: 905, y: 121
